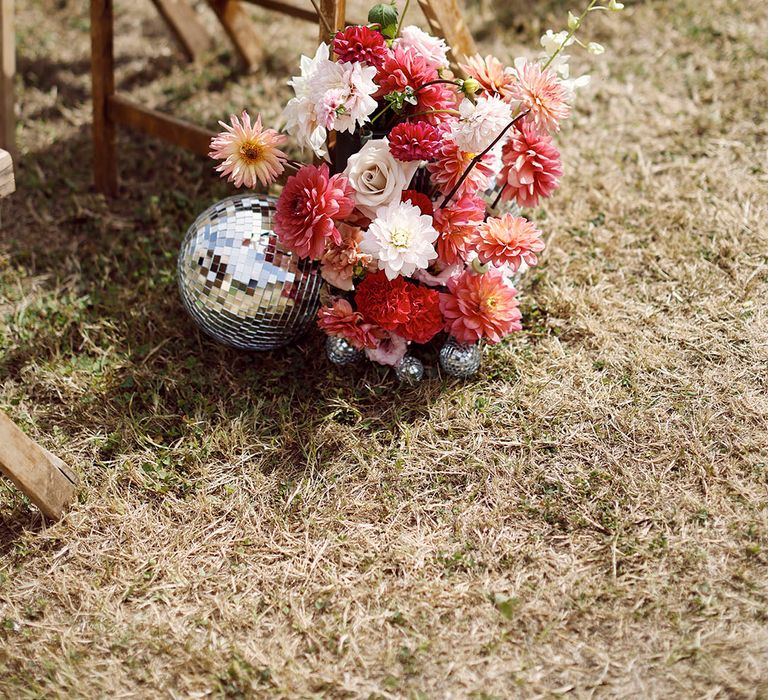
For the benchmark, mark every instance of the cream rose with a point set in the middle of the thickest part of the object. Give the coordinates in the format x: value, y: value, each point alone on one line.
x: 377, y: 177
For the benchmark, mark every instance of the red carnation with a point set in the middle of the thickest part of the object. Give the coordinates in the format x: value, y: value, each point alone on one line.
x: 420, y: 200
x: 360, y: 45
x: 426, y: 319
x: 414, y: 141
x: 308, y: 208
x: 383, y: 301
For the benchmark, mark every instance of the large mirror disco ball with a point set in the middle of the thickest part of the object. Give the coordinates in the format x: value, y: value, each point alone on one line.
x: 239, y: 284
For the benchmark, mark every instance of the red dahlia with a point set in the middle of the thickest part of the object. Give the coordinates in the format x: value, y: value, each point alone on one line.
x: 360, y: 44
x: 420, y: 200
x: 414, y: 141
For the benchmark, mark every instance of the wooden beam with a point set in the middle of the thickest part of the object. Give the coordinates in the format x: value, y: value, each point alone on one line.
x: 286, y: 9
x: 7, y: 179
x: 8, y: 61
x: 163, y: 126
x: 186, y: 28
x: 446, y: 20
x: 45, y: 479
x: 102, y: 89
x: 239, y: 28
x: 335, y: 12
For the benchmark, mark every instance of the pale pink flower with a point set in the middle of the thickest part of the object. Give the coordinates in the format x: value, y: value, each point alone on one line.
x: 249, y: 152
x: 389, y: 351
x: 431, y: 48
x: 541, y: 93
x: 479, y: 123
x: 493, y: 76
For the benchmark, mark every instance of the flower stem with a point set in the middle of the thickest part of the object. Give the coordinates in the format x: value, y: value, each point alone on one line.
x: 436, y: 82
x: 454, y: 112
x: 402, y: 17
x: 380, y: 112
x: 570, y: 34
x: 498, y: 196
x: 478, y: 158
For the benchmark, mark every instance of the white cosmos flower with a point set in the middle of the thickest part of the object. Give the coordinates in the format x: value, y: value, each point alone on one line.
x: 434, y: 50
x: 551, y: 42
x: 301, y: 118
x: 400, y: 238
x: 341, y: 94
x: 480, y: 123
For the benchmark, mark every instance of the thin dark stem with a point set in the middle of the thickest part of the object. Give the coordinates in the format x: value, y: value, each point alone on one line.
x: 478, y: 158
x: 436, y: 82
x: 322, y: 18
x: 498, y: 196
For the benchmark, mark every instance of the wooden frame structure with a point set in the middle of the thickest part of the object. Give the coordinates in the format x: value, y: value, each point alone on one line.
x: 111, y: 110
x: 8, y: 63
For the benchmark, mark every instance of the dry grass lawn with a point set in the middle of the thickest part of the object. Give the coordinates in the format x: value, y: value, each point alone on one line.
x: 587, y: 518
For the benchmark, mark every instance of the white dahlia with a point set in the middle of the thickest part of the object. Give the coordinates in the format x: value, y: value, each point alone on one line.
x: 480, y: 123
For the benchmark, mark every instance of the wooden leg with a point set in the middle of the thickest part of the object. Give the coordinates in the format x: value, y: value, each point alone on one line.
x: 239, y: 28
x: 8, y: 58
x: 103, y: 87
x: 183, y: 22
x: 45, y: 479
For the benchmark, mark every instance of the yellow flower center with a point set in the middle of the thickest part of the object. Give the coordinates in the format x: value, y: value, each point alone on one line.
x: 251, y: 151
x: 400, y: 238
x: 489, y: 303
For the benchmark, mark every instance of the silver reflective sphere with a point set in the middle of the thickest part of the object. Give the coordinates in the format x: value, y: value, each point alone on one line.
x: 409, y: 370
x: 459, y: 360
x: 239, y: 284
x: 340, y: 352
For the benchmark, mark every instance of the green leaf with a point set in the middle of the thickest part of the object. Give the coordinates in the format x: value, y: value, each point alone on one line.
x: 386, y: 17
x: 505, y: 605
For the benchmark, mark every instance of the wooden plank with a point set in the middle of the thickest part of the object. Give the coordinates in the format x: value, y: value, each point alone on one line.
x: 45, y: 479
x: 239, y: 28
x: 186, y: 28
x: 335, y: 12
x: 446, y: 20
x: 102, y: 88
x: 8, y: 60
x: 7, y: 179
x: 163, y: 126
x: 286, y: 9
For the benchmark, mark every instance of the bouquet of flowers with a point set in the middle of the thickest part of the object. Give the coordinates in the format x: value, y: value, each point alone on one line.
x: 409, y: 206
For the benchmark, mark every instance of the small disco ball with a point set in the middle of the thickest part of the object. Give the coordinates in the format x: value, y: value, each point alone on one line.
x: 237, y: 281
x: 459, y: 360
x: 340, y: 352
x: 409, y: 370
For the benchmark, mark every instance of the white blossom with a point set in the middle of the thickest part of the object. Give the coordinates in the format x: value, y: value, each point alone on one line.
x: 480, y: 123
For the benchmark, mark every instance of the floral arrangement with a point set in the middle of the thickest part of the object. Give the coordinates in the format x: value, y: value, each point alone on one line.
x: 409, y: 205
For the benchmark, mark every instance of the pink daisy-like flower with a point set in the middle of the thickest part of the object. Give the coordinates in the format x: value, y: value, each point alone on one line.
x: 456, y: 225
x: 451, y: 163
x: 540, y: 92
x: 340, y: 320
x: 531, y: 166
x: 249, y: 152
x: 389, y: 350
x: 492, y: 75
x: 359, y: 44
x: 480, y: 306
x: 414, y: 141
x: 509, y: 240
x: 308, y: 208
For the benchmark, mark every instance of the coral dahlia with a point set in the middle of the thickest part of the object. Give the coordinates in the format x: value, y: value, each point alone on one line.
x: 341, y: 262
x: 509, y: 240
x: 492, y: 75
x: 480, y: 306
x: 249, y: 152
x: 309, y: 207
x: 456, y: 226
x: 540, y: 92
x: 531, y: 166
x: 340, y: 320
x: 450, y: 165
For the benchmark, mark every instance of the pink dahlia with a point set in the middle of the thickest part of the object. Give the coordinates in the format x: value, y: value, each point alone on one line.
x: 248, y: 151
x: 531, y: 166
x: 456, y: 225
x: 509, y: 240
x: 403, y: 68
x: 492, y: 75
x: 451, y: 163
x: 540, y: 92
x: 480, y: 306
x: 414, y: 141
x: 309, y: 207
x: 391, y: 348
x: 340, y: 320
x: 360, y: 45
